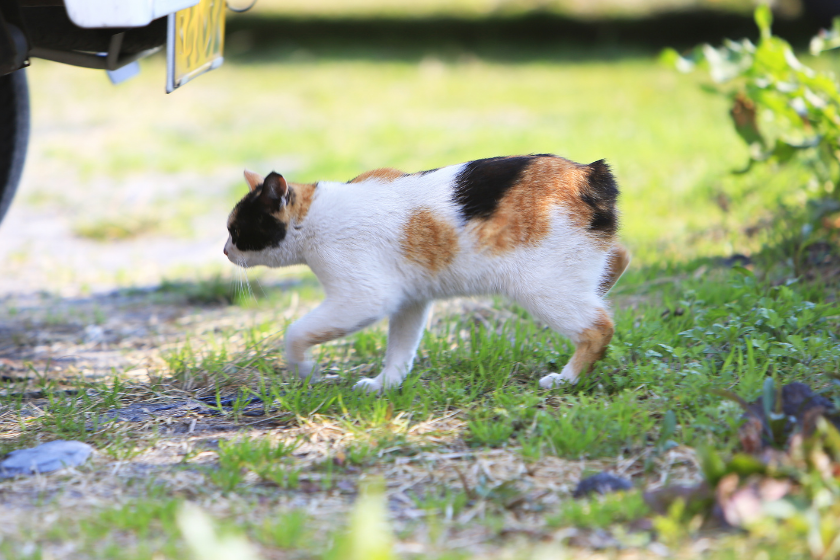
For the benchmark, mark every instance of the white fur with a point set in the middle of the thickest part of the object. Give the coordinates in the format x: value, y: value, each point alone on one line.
x: 350, y: 239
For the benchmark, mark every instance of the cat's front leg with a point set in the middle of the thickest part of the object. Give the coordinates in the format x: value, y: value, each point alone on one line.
x: 330, y: 320
x: 405, y: 329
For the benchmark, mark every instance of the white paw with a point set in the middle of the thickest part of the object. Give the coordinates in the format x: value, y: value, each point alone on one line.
x: 554, y: 380
x: 368, y: 384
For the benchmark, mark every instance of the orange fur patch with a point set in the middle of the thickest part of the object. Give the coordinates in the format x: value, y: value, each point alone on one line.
x: 300, y: 202
x: 523, y: 216
x: 386, y: 174
x: 592, y: 343
x: 428, y: 241
x: 325, y: 336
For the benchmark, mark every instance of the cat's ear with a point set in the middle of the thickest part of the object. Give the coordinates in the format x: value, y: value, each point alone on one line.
x: 254, y: 180
x: 274, y: 192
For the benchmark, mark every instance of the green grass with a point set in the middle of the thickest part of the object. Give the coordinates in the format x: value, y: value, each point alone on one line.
x: 601, y: 511
x: 733, y: 330
x: 731, y: 334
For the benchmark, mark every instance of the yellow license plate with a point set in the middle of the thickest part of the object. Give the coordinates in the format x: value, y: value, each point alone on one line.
x: 195, y: 41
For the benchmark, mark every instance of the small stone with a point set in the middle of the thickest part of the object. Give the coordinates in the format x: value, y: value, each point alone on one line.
x: 45, y: 458
x: 94, y: 333
x: 602, y: 483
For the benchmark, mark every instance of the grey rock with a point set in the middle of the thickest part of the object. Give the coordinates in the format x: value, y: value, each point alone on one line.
x: 602, y: 483
x: 45, y: 458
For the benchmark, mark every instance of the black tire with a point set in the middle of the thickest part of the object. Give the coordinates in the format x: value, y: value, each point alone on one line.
x: 14, y: 134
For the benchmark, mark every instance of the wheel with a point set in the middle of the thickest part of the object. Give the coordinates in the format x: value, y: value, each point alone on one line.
x: 14, y: 134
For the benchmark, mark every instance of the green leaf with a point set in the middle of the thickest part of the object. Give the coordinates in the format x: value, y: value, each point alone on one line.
x: 764, y: 19
x: 826, y: 40
x: 669, y: 57
x: 830, y: 435
x: 726, y: 64
x: 712, y: 465
x: 743, y: 271
x: 745, y: 465
x: 783, y: 152
x: 669, y: 426
x: 672, y: 59
x: 768, y: 397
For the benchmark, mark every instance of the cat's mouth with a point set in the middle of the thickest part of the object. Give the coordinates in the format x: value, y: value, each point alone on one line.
x: 234, y: 255
x: 239, y: 260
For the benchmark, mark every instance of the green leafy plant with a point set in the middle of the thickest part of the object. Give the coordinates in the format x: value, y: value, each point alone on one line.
x: 783, y: 109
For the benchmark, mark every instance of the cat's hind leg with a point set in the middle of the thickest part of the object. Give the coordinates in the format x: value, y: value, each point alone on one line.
x: 590, y: 345
x: 405, y: 329
x: 330, y: 320
x: 584, y: 320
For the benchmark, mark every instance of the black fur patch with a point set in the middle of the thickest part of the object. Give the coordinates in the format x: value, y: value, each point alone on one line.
x: 426, y: 172
x: 274, y: 190
x: 483, y: 183
x: 600, y: 194
x: 253, y: 228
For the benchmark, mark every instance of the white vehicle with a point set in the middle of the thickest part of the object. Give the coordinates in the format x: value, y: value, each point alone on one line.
x: 108, y: 35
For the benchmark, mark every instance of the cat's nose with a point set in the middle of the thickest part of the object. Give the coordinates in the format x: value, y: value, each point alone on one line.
x: 225, y: 250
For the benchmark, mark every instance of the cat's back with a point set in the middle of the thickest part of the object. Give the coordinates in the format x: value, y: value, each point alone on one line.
x: 381, y: 201
x: 492, y: 206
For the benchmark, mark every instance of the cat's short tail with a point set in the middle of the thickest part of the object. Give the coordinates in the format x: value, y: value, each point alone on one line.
x: 617, y: 262
x: 600, y: 193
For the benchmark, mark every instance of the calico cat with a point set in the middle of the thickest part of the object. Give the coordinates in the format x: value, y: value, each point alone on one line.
x: 539, y: 229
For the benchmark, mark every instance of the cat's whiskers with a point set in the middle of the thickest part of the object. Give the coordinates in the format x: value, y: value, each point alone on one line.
x: 246, y: 285
x: 234, y: 284
x: 239, y: 285
x: 236, y: 281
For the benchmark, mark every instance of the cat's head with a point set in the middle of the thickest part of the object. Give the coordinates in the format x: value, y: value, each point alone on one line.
x: 259, y: 222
